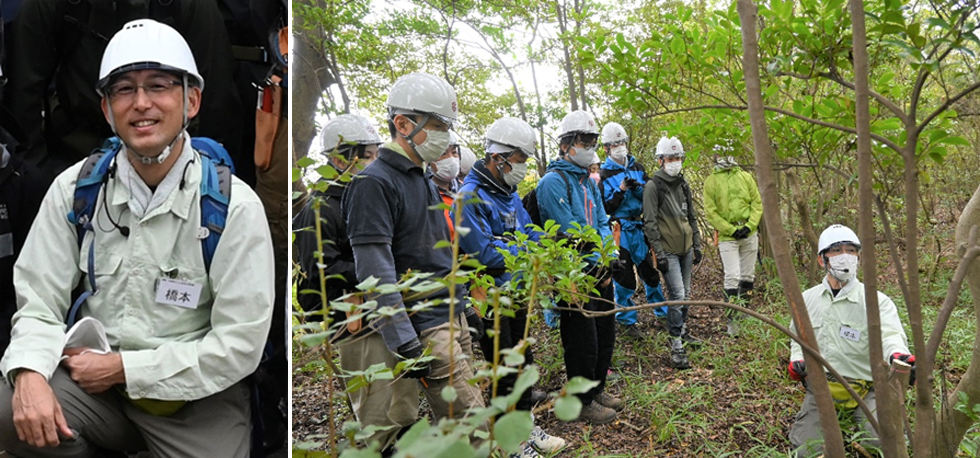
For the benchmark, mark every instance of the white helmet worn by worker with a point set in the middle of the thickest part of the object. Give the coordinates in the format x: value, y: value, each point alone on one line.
x: 466, y: 160
x: 346, y: 130
x: 507, y: 134
x: 837, y: 234
x: 429, y: 96
x: 145, y: 44
x: 613, y: 134
x: 577, y: 122
x: 669, y: 148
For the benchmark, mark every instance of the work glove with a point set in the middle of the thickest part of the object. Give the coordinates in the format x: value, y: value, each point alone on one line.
x: 697, y: 257
x: 411, y: 350
x: 475, y: 323
x: 797, y: 370
x: 741, y: 233
x: 617, y: 266
x: 907, y: 359
x: 662, y: 265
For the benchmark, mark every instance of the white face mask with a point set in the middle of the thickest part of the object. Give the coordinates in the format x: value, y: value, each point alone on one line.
x: 843, y: 267
x: 618, y: 153
x: 673, y: 168
x: 516, y: 174
x: 446, y: 169
x: 436, y: 142
x: 583, y: 156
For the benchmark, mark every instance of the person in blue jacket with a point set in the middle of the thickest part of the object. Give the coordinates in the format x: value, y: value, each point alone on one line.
x: 566, y: 194
x: 622, y: 194
x: 509, y: 143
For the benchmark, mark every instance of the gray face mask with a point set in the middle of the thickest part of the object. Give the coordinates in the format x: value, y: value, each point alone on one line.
x: 435, y: 144
x: 516, y: 174
x: 583, y: 156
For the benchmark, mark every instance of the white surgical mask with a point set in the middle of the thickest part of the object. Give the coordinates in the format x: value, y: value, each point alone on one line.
x: 618, y: 153
x: 446, y: 169
x: 583, y: 156
x: 516, y: 174
x: 436, y: 142
x: 843, y: 267
x: 673, y: 168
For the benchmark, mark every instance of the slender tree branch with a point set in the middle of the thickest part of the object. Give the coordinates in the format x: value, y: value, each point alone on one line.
x: 949, y: 102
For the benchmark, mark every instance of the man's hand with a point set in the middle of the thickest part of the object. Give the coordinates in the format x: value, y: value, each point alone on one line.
x: 697, y: 257
x: 475, y: 322
x: 907, y: 359
x: 797, y: 370
x: 741, y: 233
x: 93, y: 372
x: 37, y: 413
x: 411, y: 350
x: 662, y: 265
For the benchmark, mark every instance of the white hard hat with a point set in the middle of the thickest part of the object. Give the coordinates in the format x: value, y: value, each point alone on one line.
x: 424, y: 94
x: 613, y: 133
x: 837, y: 234
x: 347, y: 129
x: 578, y: 122
x: 513, y: 132
x: 669, y: 147
x: 454, y: 140
x: 147, y: 44
x: 466, y: 160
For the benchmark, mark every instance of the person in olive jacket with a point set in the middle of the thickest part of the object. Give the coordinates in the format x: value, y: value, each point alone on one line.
x: 733, y: 206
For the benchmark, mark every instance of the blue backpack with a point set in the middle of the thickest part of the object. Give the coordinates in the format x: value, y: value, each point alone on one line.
x: 215, y: 194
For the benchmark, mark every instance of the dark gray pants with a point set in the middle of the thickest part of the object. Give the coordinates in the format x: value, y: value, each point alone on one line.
x: 807, y: 437
x: 215, y: 426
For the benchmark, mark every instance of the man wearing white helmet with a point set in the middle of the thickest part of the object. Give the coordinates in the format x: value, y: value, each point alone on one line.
x: 509, y: 144
x: 840, y: 324
x: 350, y: 144
x: 566, y: 194
x: 393, y: 229
x: 671, y: 229
x: 733, y: 206
x: 622, y: 193
x: 173, y: 380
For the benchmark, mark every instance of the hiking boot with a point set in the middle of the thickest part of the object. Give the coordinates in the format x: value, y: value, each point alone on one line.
x: 678, y: 355
x: 732, y: 327
x: 597, y: 414
x: 688, y: 339
x: 526, y: 451
x: 609, y: 400
x: 538, y: 396
x: 633, y: 331
x: 544, y: 442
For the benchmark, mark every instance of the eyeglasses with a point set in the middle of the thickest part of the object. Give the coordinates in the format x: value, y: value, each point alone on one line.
x: 153, y: 88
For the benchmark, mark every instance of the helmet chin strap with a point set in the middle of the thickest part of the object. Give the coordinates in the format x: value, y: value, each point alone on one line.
x: 163, y: 155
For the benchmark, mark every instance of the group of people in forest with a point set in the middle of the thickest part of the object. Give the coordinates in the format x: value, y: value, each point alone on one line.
x: 385, y: 222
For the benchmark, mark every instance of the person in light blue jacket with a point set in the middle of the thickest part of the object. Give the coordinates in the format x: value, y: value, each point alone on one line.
x: 566, y: 194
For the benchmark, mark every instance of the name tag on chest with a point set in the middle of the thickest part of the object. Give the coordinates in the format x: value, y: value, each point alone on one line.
x: 850, y: 334
x: 177, y: 292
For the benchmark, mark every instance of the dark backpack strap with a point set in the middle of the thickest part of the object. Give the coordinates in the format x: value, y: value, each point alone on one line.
x: 568, y: 185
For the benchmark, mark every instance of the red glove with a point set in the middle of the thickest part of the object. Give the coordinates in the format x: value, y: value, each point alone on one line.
x: 797, y: 370
x: 907, y: 359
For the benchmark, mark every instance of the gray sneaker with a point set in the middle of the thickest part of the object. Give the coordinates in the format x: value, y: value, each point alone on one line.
x: 609, y: 400
x: 678, y: 356
x: 597, y: 414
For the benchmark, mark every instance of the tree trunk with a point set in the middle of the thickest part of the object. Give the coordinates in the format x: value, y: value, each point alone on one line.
x: 890, y: 414
x: 310, y: 76
x: 567, y: 63
x: 833, y: 441
x: 952, y: 425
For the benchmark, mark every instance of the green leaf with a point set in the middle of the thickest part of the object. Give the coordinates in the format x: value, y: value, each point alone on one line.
x: 449, y: 394
x: 578, y: 385
x: 512, y: 429
x: 305, y: 162
x: 955, y: 140
x: 567, y: 408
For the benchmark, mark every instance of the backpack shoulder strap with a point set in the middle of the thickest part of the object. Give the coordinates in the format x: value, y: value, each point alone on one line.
x: 568, y: 185
x: 216, y: 171
x: 90, y: 180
